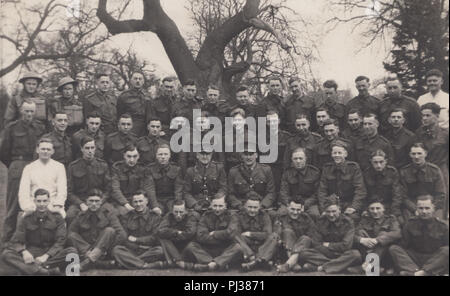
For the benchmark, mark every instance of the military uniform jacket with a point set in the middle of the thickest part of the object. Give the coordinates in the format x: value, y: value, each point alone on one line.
x: 143, y: 226
x: 12, y: 112
x: 133, y: 102
x: 273, y: 102
x: 413, y: 115
x: 169, y: 228
x: 147, y: 148
x: 224, y: 227
x: 300, y: 185
x: 304, y: 225
x: 307, y: 142
x: 161, y: 107
x: 183, y: 107
x: 127, y: 180
x: 166, y: 182
x: 105, y: 105
x: 115, y: 145
x: 435, y: 140
x: 339, y: 234
x: 336, y: 110
x: 59, y: 102
x: 283, y: 138
x: 386, y: 230
x: 369, y: 104
x: 384, y: 186
x: 365, y: 146
x: 423, y: 180
x: 45, y: 231
x: 62, y: 146
x: 346, y: 181
x: 353, y: 135
x: 20, y: 140
x: 425, y: 236
x: 201, y: 183
x: 99, y: 138
x: 322, y: 151
x: 243, y: 181
x: 90, y: 224
x: 260, y: 226
x: 298, y: 104
x: 401, y: 141
x: 84, y: 176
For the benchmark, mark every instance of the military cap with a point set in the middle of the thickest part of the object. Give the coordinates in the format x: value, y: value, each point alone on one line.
x: 30, y: 75
x: 330, y: 201
x: 64, y: 81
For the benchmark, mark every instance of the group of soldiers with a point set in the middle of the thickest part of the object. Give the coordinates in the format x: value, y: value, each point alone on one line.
x: 97, y: 176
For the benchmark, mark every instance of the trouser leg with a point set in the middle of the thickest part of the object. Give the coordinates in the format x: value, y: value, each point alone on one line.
x: 79, y: 243
x: 170, y: 251
x: 267, y: 250
x: 438, y: 263
x: 153, y: 254
x: 302, y: 243
x: 313, y: 256
x: 231, y: 254
x: 194, y: 252
x: 71, y: 213
x: 402, y: 259
x: 347, y: 259
x: 15, y: 259
x: 127, y: 258
x: 104, y: 243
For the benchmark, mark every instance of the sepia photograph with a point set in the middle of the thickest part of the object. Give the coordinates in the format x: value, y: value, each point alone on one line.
x: 224, y: 144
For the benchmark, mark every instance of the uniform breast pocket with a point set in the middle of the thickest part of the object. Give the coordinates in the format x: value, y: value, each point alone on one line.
x: 309, y: 185
x: 133, y: 225
x: 20, y: 139
x: 260, y: 187
x: 135, y: 106
x: 117, y: 146
x: 31, y: 227
x: 79, y: 177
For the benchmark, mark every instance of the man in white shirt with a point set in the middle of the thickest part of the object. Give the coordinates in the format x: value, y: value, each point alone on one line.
x: 47, y: 174
x: 435, y: 80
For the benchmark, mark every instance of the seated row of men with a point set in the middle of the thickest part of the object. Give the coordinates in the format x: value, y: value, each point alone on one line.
x: 222, y: 238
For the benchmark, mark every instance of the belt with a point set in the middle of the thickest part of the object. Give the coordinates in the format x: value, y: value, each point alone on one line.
x: 21, y: 157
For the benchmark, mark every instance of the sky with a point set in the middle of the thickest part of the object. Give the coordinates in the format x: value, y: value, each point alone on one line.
x: 340, y: 56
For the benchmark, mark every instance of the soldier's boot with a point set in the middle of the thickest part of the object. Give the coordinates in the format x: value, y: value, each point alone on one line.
x: 355, y: 270
x: 155, y: 265
x: 308, y: 267
x: 105, y: 264
x: 185, y: 265
x: 283, y: 268
x: 200, y: 267
x: 86, y: 264
x: 249, y: 266
x: 212, y: 266
x: 297, y: 268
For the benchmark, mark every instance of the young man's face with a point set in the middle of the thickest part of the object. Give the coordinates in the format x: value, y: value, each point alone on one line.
x: 339, y: 154
x: 94, y: 203
x: 299, y: 159
x: 428, y: 117
x: 204, y: 157
x: 137, y: 80
x: 93, y: 124
x: 332, y: 213
x: 363, y: 87
x: 434, y: 83
x: 131, y: 157
x: 139, y: 203
x: 396, y: 119
x: 321, y: 117
x: 179, y: 211
x: 354, y: 121
x: 125, y: 125
x: 60, y: 122
x: 249, y: 158
x: 331, y: 131
x: 294, y: 210
x: 68, y: 90
x: 275, y: 87
x: 42, y: 202
x: 273, y: 121
x: 45, y: 150
x: 103, y: 83
x: 425, y: 209
x: 378, y: 163
x: 190, y: 91
x: 252, y: 207
x: 394, y: 88
x: 30, y: 85
x: 218, y: 206
x: 302, y: 125
x: 376, y: 210
x: 330, y: 93
x: 295, y: 87
x: 163, y: 156
x: 238, y: 121
x: 418, y: 155
x: 169, y: 87
x: 28, y: 111
x: 88, y: 150
x: 242, y: 97
x: 154, y: 128
x: 370, y: 125
x: 213, y: 95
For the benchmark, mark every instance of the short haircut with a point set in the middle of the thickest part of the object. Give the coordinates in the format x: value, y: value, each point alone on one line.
x: 272, y: 112
x: 353, y: 111
x: 296, y: 200
x: 378, y: 152
x: 27, y: 102
x: 302, y: 116
x: 419, y: 145
x: 100, y: 75
x: 41, y: 191
x: 138, y: 72
x: 339, y: 143
x: 370, y: 114
x: 426, y: 197
x: 237, y: 111
x: 179, y: 202
x: 434, y: 72
x: 299, y: 149
x: 168, y: 79
x: 140, y: 192
x: 274, y: 78
x: 86, y: 140
x: 44, y: 140
x: 153, y: 118
x: 214, y: 87
x: 330, y: 121
x: 126, y: 116
x: 162, y: 146
x: 242, y: 88
x: 330, y: 84
x: 435, y: 108
x: 93, y: 114
x: 293, y: 79
x: 362, y: 77
x: 220, y: 195
x: 189, y: 82
x: 393, y: 78
x: 323, y: 109
x: 60, y: 112
x: 95, y: 192
x: 399, y: 110
x: 130, y: 148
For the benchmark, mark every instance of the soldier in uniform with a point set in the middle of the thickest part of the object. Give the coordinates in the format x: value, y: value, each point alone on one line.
x: 214, y: 105
x: 175, y: 231
x: 142, y: 249
x: 274, y: 101
x: 251, y: 178
x: 321, y: 116
x: 69, y: 103
x: 424, y: 248
x: 254, y: 234
x: 395, y: 99
x: 134, y: 102
x: 103, y: 102
x: 295, y: 230
x: 303, y: 138
x: 128, y: 177
x: 331, y: 250
x: 37, y: 247
x: 93, y: 130
x: 354, y: 129
x: 371, y: 142
x: 322, y: 150
x: 166, y: 183
x: 30, y: 82
x: 244, y: 102
x: 183, y: 106
x: 95, y: 232
x: 335, y: 109
x: 203, y: 181
x: 85, y: 174
x: 383, y: 184
x: 16, y: 151
x: 147, y: 145
x: 363, y: 102
x: 344, y: 179
x: 421, y: 178
x: 61, y: 140
x: 116, y: 142
x: 375, y: 233
x: 214, y: 247
x: 297, y: 103
x: 300, y: 182
x: 400, y: 137
x: 161, y: 106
